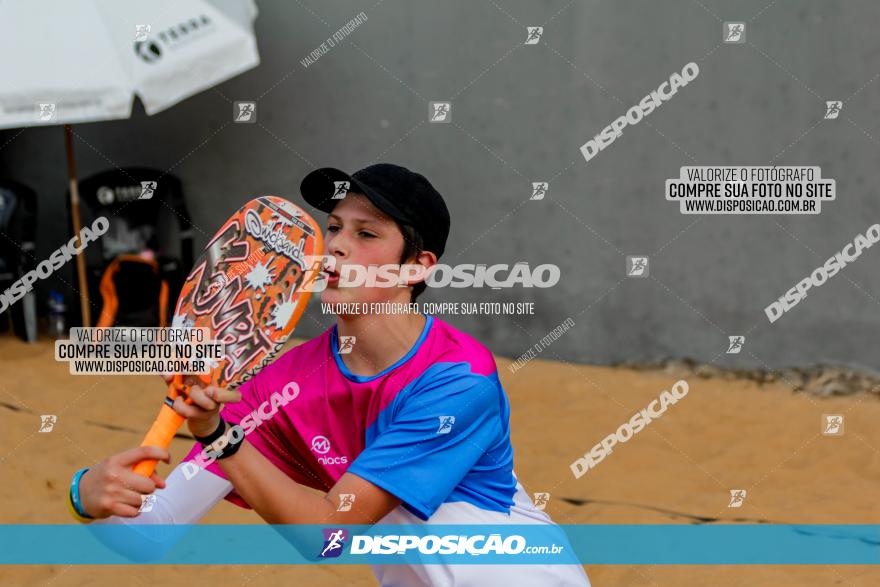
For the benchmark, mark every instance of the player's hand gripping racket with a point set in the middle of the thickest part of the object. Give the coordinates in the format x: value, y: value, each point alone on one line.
x: 249, y: 288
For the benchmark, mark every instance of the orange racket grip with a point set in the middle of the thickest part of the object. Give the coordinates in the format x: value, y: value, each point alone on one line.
x: 164, y: 428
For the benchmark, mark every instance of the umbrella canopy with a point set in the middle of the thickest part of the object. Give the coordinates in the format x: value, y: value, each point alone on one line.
x: 84, y: 61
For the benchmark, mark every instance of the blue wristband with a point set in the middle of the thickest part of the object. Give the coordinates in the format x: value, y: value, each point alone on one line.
x: 74, y: 494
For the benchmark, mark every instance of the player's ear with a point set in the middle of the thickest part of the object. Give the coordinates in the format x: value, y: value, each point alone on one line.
x: 427, y: 259
x: 417, y: 268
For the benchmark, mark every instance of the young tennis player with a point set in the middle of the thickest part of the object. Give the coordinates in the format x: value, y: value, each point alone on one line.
x: 406, y: 423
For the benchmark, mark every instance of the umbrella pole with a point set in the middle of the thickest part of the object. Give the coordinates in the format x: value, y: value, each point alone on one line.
x: 74, y: 212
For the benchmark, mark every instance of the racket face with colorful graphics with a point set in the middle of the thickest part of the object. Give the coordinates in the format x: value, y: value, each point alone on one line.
x: 249, y: 288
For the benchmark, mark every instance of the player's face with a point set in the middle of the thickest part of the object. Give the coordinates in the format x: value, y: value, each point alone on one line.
x: 360, y: 234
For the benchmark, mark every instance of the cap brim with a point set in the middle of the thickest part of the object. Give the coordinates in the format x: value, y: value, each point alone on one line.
x: 318, y: 187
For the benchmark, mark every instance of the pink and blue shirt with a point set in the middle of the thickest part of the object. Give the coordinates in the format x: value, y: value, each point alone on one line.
x: 430, y: 429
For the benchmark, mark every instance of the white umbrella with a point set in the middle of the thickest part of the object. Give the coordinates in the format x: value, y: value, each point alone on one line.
x: 71, y: 61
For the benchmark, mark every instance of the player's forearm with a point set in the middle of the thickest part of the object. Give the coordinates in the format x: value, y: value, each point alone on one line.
x: 272, y: 494
x: 182, y: 501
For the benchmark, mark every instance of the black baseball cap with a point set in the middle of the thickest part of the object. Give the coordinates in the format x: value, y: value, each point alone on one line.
x: 404, y: 195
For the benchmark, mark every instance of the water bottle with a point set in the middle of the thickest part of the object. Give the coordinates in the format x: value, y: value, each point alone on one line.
x: 57, y: 326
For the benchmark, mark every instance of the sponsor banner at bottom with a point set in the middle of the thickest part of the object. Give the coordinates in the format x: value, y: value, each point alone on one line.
x: 32, y: 544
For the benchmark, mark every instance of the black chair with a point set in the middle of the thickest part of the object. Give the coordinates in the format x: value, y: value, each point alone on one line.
x: 18, y: 227
x: 160, y: 223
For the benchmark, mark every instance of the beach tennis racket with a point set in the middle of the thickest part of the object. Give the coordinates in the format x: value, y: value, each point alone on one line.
x: 248, y: 288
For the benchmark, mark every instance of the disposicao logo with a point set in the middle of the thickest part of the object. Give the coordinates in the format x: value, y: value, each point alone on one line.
x: 334, y: 542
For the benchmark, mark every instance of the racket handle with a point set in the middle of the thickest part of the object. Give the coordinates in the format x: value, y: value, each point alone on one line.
x: 164, y: 428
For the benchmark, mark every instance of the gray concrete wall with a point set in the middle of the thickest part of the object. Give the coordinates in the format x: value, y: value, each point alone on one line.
x: 519, y: 114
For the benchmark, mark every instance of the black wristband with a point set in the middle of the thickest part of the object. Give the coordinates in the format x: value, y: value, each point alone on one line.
x: 231, y: 448
x: 213, y: 436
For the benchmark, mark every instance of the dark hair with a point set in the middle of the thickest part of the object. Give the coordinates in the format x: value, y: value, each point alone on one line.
x: 412, y: 246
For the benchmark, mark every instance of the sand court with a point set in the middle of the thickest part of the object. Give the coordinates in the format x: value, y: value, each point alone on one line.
x: 723, y: 435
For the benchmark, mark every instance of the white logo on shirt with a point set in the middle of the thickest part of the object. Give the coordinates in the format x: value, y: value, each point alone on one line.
x: 321, y: 445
